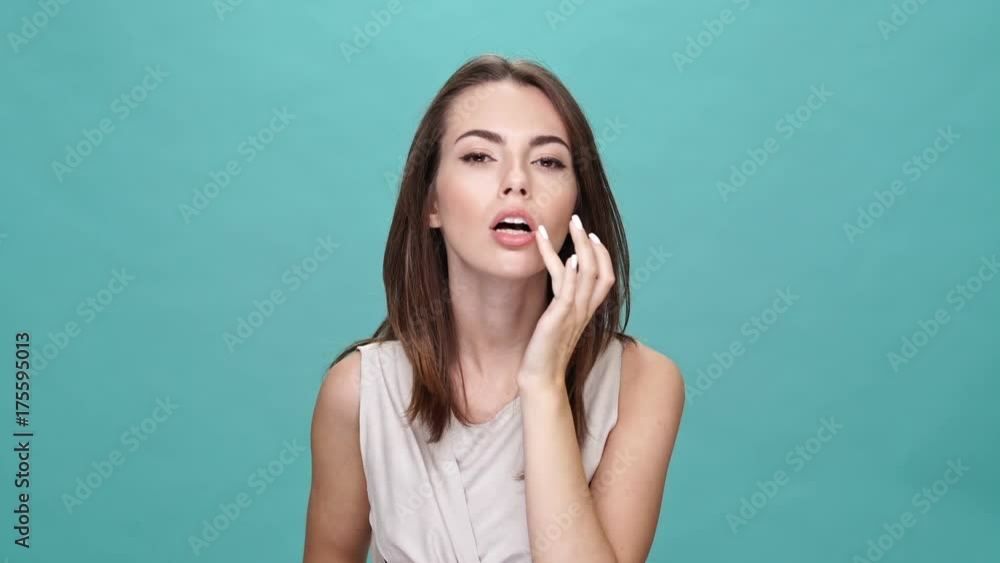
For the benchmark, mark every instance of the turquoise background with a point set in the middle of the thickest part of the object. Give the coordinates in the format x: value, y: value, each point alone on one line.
x: 328, y: 174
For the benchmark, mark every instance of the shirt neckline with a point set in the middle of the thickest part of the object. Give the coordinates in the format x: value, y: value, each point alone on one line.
x: 513, y: 403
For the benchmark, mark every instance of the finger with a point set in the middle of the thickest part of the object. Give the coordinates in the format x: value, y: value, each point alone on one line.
x: 550, y: 257
x: 605, y: 277
x: 570, y: 276
x: 587, y: 263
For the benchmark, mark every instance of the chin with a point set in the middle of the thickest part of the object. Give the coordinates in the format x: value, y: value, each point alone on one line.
x: 511, y: 265
x: 489, y: 259
x: 518, y: 269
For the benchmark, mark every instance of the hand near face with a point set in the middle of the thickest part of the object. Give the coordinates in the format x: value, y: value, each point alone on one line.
x: 579, y: 287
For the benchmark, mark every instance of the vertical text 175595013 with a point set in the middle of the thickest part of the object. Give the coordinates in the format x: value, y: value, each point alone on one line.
x: 22, y: 388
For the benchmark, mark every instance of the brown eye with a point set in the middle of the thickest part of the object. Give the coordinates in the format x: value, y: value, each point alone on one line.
x: 551, y: 163
x: 476, y: 158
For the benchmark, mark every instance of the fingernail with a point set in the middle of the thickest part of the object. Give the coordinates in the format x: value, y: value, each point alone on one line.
x: 543, y: 232
x: 577, y: 222
x: 572, y: 262
x: 594, y: 238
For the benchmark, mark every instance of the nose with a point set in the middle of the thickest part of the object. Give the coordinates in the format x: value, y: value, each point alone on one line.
x: 515, y: 181
x: 511, y: 189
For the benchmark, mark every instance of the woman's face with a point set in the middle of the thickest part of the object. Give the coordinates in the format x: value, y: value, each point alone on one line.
x: 504, y: 148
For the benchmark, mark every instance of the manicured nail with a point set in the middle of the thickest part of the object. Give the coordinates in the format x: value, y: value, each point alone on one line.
x: 594, y: 238
x: 543, y: 232
x: 572, y: 262
x: 576, y: 222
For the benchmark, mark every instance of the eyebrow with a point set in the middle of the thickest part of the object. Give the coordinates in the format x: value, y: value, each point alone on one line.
x: 535, y: 141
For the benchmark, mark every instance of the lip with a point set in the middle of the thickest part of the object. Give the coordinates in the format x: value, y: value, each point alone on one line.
x: 515, y: 212
x: 514, y: 240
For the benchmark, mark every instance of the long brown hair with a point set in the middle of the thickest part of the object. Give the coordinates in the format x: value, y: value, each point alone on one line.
x: 415, y: 270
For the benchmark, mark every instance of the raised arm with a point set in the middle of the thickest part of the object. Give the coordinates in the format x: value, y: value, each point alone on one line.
x: 337, y: 528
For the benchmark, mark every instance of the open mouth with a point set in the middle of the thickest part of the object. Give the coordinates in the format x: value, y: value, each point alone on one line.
x: 515, y: 226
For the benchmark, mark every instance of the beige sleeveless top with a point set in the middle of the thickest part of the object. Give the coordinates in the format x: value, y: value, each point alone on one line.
x: 457, y: 500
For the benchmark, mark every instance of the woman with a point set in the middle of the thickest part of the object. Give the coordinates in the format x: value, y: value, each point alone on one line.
x: 499, y: 413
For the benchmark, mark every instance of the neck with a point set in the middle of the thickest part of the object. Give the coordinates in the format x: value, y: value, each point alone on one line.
x: 494, y: 320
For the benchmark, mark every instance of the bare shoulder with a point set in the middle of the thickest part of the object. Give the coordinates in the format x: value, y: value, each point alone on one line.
x: 650, y: 378
x: 339, y: 399
x: 631, y: 476
x: 337, y: 527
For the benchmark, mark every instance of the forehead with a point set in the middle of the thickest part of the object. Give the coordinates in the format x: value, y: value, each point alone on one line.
x: 509, y: 109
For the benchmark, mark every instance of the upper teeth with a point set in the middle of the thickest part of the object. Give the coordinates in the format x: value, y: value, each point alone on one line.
x: 516, y: 220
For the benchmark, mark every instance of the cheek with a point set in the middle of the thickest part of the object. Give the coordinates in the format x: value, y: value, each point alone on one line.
x: 447, y: 185
x: 461, y: 196
x: 555, y: 195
